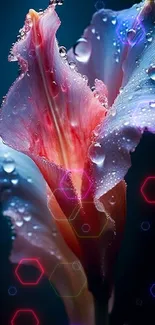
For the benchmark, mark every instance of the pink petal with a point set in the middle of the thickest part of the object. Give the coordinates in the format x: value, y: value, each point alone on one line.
x: 49, y: 111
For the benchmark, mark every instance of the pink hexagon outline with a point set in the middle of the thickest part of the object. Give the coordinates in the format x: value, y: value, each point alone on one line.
x: 82, y: 172
x: 29, y: 283
x: 24, y: 311
x: 143, y: 187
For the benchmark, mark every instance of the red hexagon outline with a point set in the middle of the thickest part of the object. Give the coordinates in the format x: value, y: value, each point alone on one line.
x: 29, y: 283
x: 85, y: 236
x: 64, y: 296
x: 143, y: 191
x: 24, y: 311
x: 75, y: 170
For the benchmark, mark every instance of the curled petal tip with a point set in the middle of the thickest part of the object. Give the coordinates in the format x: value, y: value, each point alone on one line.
x: 33, y: 14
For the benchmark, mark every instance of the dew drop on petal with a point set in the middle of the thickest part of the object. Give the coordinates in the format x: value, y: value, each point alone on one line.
x: 62, y: 51
x: 29, y: 179
x: 96, y: 154
x: 82, y: 50
x: 14, y: 181
x: 19, y: 223
x: 29, y: 234
x: 9, y: 165
x: 130, y: 35
x: 112, y: 200
x: 27, y: 218
x: 21, y: 209
x: 72, y: 65
x: 151, y: 72
x: 152, y: 104
x: 114, y: 20
x: 54, y: 232
x: 105, y: 19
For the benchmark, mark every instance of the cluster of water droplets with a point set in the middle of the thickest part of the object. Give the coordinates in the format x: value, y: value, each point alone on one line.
x: 57, y: 2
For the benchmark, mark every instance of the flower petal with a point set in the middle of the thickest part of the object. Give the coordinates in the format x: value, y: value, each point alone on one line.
x: 132, y: 113
x: 23, y: 198
x: 49, y: 111
x: 109, y: 40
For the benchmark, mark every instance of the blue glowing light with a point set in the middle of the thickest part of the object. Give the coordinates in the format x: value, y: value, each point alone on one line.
x: 12, y: 291
x: 145, y: 226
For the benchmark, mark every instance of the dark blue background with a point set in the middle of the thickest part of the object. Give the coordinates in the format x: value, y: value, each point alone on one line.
x: 135, y: 270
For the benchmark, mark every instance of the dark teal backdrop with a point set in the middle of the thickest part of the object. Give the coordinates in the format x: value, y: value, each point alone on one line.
x: 135, y: 271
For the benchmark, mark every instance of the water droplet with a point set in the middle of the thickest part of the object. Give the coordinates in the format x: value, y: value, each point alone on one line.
x: 93, y: 30
x: 149, y: 37
x: 72, y: 65
x: 126, y: 123
x: 82, y: 50
x: 54, y: 232
x: 13, y: 237
x: 36, y: 227
x: 29, y: 234
x: 151, y: 72
x: 21, y: 209
x: 105, y: 19
x: 9, y: 165
x: 152, y: 104
x: 96, y: 154
x: 114, y: 20
x: 19, y: 223
x: 63, y: 51
x: 57, y: 2
x: 131, y: 35
x: 112, y: 200
x: 29, y: 179
x: 27, y: 218
x: 98, y: 37
x: 14, y: 181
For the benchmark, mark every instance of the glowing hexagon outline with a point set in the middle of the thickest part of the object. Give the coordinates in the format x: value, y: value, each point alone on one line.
x: 66, y: 219
x: 82, y: 172
x: 67, y: 296
x: 29, y: 283
x: 85, y: 235
x: 152, y: 286
x: 143, y: 192
x: 25, y: 311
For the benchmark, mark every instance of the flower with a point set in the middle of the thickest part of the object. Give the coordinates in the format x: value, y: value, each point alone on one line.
x: 81, y: 139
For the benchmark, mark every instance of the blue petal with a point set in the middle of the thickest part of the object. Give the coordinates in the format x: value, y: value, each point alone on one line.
x: 133, y: 112
x: 113, y: 45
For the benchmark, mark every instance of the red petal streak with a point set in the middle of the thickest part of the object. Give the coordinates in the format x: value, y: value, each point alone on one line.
x: 50, y: 111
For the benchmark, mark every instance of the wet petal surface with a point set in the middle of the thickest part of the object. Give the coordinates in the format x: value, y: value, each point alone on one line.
x: 35, y: 234
x: 49, y: 111
x: 110, y: 46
